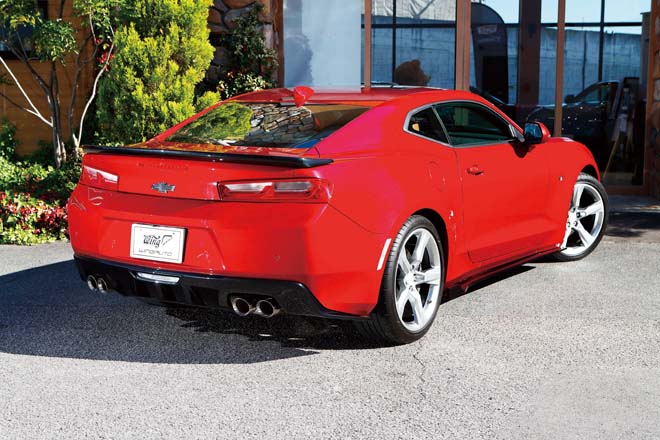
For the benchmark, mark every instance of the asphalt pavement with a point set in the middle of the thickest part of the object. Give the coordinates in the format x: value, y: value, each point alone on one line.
x: 546, y: 351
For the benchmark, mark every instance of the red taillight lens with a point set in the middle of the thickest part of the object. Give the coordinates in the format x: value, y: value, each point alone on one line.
x: 98, y: 178
x: 293, y: 191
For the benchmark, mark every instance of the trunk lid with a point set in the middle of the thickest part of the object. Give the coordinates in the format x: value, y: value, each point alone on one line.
x: 192, y: 171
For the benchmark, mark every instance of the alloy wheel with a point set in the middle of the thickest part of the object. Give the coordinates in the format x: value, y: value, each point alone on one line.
x: 418, y: 279
x: 585, y: 220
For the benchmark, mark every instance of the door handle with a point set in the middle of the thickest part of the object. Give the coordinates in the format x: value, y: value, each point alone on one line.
x: 475, y: 170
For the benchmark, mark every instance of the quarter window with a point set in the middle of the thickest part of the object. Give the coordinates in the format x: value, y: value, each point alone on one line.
x: 468, y: 123
x: 425, y: 123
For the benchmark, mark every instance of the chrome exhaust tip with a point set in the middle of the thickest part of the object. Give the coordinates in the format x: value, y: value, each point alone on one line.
x: 266, y: 308
x: 241, y: 306
x: 91, y: 283
x: 102, y: 286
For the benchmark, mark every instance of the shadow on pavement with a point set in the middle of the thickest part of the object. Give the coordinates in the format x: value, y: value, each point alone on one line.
x: 48, y: 311
x: 634, y: 224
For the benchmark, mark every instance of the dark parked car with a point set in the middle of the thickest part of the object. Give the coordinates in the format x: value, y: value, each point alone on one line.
x: 589, y: 117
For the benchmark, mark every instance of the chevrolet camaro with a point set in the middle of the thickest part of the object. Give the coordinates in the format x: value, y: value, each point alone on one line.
x: 365, y: 205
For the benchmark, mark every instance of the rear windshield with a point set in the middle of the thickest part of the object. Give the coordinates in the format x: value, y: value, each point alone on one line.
x: 267, y: 124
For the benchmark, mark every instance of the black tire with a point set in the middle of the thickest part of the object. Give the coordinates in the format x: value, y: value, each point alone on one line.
x: 384, y: 325
x: 597, y: 186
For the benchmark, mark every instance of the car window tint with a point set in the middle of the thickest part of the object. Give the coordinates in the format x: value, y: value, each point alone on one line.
x: 426, y: 123
x: 468, y: 123
x: 267, y: 124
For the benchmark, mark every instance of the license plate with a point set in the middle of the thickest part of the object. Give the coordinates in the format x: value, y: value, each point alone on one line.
x: 158, y: 243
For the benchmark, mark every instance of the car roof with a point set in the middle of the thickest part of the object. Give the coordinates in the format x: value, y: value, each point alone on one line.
x: 371, y: 97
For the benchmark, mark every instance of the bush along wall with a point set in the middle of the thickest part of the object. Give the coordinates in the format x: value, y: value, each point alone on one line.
x: 32, y: 196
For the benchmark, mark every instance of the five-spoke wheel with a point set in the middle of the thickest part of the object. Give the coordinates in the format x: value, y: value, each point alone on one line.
x: 587, y: 219
x: 413, y: 282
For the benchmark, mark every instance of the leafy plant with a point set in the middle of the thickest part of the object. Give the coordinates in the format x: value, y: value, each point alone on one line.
x: 25, y: 219
x: 8, y: 142
x: 251, y: 64
x: 163, y: 51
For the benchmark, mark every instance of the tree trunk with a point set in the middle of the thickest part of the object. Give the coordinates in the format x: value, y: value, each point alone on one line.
x: 59, y: 149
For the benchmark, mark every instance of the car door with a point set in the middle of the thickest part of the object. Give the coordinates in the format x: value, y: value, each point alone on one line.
x: 504, y: 183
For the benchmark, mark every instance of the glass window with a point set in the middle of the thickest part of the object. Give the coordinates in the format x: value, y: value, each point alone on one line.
x: 414, y: 42
x: 257, y: 124
x: 629, y: 10
x: 425, y: 123
x: 322, y: 43
x: 468, y: 123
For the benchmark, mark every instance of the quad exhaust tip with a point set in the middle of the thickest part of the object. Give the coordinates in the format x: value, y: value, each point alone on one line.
x: 266, y: 308
x: 243, y: 307
x: 97, y: 284
x: 91, y: 283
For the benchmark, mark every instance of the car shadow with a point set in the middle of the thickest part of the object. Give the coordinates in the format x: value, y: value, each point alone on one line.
x: 633, y: 224
x: 48, y: 311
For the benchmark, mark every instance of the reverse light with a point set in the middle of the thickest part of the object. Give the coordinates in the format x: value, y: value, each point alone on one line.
x: 293, y: 191
x: 98, y: 178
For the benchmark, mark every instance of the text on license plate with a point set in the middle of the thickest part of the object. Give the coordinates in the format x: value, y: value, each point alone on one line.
x: 159, y: 243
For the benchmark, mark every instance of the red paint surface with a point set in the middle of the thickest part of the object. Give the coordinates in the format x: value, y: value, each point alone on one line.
x: 498, y: 203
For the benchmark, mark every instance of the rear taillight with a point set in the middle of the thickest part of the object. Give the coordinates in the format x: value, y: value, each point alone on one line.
x: 98, y: 178
x: 292, y: 190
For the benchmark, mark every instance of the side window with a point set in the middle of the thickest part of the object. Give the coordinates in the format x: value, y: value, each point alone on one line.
x: 468, y: 123
x: 425, y: 123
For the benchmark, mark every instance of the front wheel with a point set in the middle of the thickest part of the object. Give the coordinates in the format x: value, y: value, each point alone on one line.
x: 587, y: 219
x: 412, y: 285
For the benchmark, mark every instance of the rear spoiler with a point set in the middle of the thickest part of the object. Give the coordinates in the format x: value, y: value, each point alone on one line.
x: 278, y: 161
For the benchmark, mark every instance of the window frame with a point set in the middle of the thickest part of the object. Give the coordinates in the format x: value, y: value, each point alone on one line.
x: 515, y: 134
x: 406, y: 124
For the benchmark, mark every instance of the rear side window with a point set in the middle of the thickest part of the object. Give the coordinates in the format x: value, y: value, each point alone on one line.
x: 267, y: 124
x: 468, y: 123
x: 425, y: 123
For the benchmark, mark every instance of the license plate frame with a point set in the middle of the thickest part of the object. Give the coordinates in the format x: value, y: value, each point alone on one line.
x: 157, y: 243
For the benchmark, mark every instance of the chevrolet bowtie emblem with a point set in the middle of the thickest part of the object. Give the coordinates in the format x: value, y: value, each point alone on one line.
x: 163, y: 187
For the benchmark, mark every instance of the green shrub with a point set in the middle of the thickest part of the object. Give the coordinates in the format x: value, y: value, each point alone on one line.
x: 8, y: 142
x: 24, y: 219
x: 162, y: 53
x: 251, y: 64
x: 237, y: 83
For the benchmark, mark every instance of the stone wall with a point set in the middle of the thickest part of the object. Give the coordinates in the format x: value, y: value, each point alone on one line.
x: 654, y: 154
x: 222, y: 16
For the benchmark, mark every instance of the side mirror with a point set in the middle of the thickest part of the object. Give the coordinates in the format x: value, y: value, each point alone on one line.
x: 536, y: 133
x: 569, y: 99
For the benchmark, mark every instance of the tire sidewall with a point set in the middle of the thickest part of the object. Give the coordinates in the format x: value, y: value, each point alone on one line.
x: 595, y: 184
x: 388, y: 287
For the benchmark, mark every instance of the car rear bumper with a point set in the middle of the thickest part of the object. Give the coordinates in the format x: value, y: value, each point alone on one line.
x: 313, y: 244
x: 203, y: 290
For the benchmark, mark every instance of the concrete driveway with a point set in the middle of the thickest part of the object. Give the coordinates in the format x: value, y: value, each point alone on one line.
x: 547, y: 351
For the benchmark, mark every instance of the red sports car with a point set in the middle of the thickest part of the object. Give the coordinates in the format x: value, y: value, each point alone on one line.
x: 364, y: 205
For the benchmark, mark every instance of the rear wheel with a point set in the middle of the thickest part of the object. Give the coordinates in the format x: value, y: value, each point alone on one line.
x: 412, y: 285
x: 587, y: 219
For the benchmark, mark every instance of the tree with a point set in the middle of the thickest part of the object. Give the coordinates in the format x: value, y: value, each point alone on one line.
x: 52, y: 41
x: 162, y: 53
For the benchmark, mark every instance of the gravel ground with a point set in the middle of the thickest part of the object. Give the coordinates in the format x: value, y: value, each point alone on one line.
x: 548, y: 351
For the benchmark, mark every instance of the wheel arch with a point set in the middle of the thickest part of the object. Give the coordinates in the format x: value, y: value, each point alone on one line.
x: 440, y: 225
x: 592, y: 171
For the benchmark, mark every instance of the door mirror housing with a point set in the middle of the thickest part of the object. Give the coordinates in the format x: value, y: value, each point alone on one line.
x: 569, y: 99
x: 536, y: 133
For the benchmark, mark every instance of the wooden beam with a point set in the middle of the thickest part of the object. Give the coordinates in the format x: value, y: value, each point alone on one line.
x: 559, y: 68
x: 367, y: 44
x: 463, y: 35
